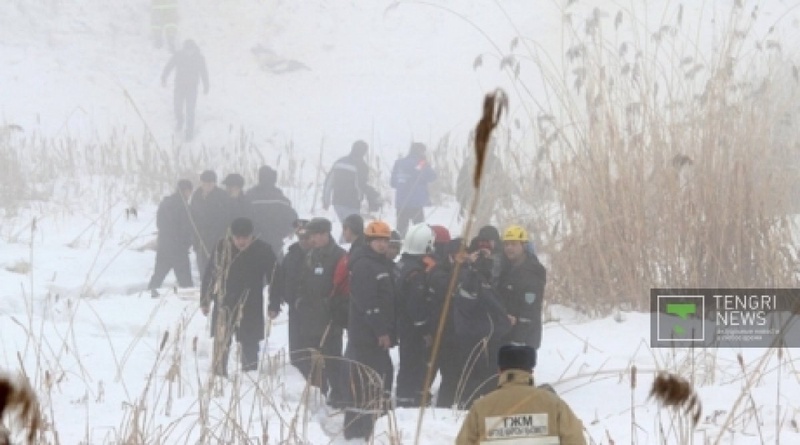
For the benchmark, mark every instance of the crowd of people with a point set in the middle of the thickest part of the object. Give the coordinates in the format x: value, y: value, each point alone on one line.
x: 387, y: 289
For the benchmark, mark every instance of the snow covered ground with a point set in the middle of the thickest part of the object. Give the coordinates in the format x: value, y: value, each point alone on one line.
x: 73, y: 311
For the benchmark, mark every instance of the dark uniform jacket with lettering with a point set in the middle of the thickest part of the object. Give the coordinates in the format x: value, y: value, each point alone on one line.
x: 285, y: 286
x: 372, y: 311
x: 211, y: 216
x: 235, y: 280
x: 521, y: 291
x: 174, y: 226
x: 272, y: 215
x: 347, y: 184
x: 315, y: 287
x: 509, y: 412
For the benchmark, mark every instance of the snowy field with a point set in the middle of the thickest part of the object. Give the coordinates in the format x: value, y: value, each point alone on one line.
x: 111, y: 365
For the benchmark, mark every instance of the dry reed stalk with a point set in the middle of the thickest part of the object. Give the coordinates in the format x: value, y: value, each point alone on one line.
x: 493, y: 106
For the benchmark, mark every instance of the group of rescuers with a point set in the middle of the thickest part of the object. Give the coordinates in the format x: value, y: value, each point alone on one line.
x: 387, y: 290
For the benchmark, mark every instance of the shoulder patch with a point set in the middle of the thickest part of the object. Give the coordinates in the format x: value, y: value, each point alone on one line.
x: 530, y: 297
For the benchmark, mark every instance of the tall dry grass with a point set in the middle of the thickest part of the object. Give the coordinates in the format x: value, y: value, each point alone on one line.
x: 671, y: 167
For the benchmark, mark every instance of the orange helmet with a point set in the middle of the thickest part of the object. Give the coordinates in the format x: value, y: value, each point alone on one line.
x: 378, y: 229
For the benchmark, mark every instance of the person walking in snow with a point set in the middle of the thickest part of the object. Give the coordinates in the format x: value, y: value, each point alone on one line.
x: 410, y: 178
x: 285, y: 290
x: 370, y: 333
x: 347, y: 184
x: 234, y: 186
x: 234, y: 284
x: 190, y: 68
x: 164, y: 22
x: 210, y: 211
x: 544, y: 416
x: 319, y: 334
x: 271, y: 210
x: 174, y: 238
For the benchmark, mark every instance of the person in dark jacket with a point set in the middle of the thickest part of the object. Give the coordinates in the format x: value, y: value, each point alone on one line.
x: 271, y: 210
x: 320, y: 337
x: 416, y: 313
x: 487, y: 244
x: 284, y: 289
x: 353, y: 230
x: 371, y: 333
x: 234, y: 283
x: 190, y: 68
x: 410, y: 178
x: 174, y: 238
x: 480, y: 323
x: 210, y: 217
x: 521, y: 289
x: 234, y: 186
x: 347, y: 184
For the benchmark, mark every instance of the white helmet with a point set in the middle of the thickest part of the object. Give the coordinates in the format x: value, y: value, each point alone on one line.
x: 419, y: 240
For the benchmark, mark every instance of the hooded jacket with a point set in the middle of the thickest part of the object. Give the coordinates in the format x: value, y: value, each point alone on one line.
x: 518, y: 410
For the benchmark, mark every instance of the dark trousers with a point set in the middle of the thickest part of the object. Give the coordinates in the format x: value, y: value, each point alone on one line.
x: 171, y: 259
x: 369, y: 383
x: 450, y: 368
x: 479, y: 371
x: 202, y: 254
x: 412, y: 370
x: 185, y: 99
x: 405, y: 214
x: 223, y: 335
x: 321, y: 366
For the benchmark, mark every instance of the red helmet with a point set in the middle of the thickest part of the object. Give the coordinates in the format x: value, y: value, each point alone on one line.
x: 441, y: 233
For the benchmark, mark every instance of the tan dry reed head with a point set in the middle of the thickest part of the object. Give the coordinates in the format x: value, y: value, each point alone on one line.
x: 675, y: 391
x: 16, y: 396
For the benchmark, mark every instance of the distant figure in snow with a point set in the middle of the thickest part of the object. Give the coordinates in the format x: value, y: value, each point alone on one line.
x: 164, y: 22
x: 190, y: 68
x: 347, y: 184
x: 410, y: 178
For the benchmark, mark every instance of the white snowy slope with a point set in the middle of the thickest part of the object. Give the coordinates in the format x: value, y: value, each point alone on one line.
x: 73, y: 311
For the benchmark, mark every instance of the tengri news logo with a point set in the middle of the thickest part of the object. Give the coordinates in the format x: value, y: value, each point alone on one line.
x: 680, y: 319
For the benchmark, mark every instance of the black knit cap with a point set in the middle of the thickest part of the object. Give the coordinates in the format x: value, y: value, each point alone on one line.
x: 242, y: 227
x: 318, y: 225
x: 234, y: 180
x: 516, y: 357
x: 208, y: 176
x: 355, y: 223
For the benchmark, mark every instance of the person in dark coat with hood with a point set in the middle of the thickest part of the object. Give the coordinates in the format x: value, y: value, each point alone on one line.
x: 234, y: 284
x: 174, y: 238
x: 347, y: 184
x: 521, y: 288
x: 410, y: 178
x: 271, y: 210
x: 210, y: 210
x: 319, y: 334
x: 190, y: 68
x: 371, y: 333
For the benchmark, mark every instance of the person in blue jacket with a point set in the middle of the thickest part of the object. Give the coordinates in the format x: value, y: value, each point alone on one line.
x: 410, y: 178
